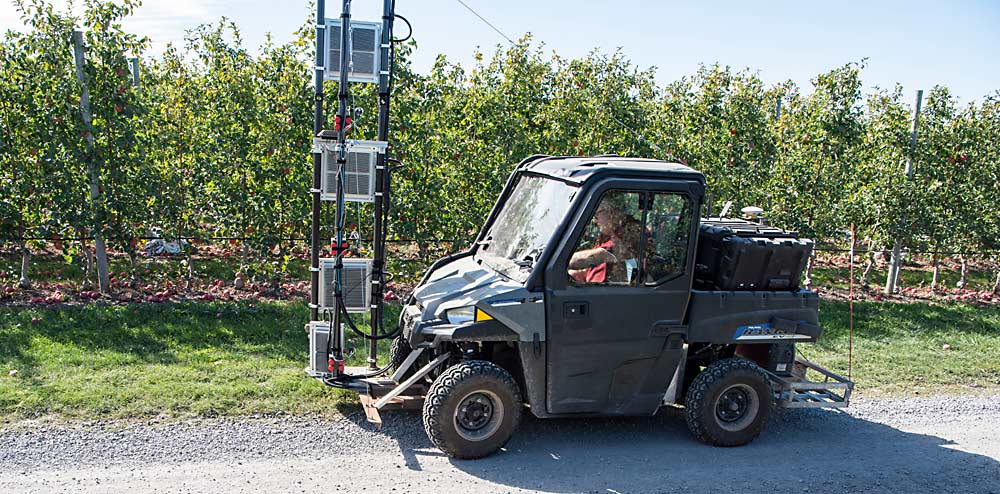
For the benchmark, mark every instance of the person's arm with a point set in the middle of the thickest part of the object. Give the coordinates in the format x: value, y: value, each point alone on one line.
x: 591, y: 257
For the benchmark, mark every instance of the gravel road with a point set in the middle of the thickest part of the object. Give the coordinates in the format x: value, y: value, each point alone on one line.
x: 940, y: 444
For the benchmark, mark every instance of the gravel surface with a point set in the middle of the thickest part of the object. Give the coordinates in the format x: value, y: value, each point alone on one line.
x: 939, y: 444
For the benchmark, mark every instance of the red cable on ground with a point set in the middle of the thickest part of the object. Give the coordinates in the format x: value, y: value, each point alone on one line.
x: 850, y: 311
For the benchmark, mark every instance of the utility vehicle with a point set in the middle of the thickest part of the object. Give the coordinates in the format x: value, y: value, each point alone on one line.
x: 596, y: 288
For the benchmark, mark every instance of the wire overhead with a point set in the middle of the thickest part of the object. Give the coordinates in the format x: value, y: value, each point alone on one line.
x: 488, y: 23
x: 626, y: 126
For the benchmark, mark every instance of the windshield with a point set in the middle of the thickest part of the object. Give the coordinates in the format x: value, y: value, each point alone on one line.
x: 523, y: 227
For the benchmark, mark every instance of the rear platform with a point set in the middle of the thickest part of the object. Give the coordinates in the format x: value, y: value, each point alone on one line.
x: 373, y: 390
x: 834, y: 391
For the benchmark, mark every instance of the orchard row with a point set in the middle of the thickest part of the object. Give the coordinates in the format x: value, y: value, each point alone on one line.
x: 214, y: 140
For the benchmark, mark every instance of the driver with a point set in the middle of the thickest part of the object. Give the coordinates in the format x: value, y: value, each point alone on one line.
x: 603, y: 263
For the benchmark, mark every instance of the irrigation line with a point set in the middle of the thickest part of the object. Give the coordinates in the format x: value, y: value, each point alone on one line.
x: 947, y: 253
x: 437, y: 240
x: 201, y: 239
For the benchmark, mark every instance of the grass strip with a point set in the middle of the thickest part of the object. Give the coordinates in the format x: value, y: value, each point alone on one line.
x: 212, y: 359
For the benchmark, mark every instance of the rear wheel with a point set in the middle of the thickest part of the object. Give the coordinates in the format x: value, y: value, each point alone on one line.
x: 472, y: 409
x: 729, y: 403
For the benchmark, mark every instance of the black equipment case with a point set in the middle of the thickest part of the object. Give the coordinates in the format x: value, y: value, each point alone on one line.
x: 740, y: 255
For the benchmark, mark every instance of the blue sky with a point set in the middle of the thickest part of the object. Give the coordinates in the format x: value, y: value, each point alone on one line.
x: 915, y: 43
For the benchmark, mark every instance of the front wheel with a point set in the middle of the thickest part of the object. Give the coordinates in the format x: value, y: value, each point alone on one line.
x: 729, y: 403
x: 398, y: 351
x: 472, y: 409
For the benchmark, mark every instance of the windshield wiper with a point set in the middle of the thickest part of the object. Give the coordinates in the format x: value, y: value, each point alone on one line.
x: 528, y: 261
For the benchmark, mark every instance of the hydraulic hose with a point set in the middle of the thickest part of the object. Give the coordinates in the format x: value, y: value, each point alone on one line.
x: 382, y: 336
x: 343, y: 381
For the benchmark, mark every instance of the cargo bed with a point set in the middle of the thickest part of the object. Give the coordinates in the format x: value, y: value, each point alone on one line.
x: 722, y: 317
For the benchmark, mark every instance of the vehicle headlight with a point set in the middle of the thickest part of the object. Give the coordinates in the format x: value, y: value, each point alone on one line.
x: 469, y: 313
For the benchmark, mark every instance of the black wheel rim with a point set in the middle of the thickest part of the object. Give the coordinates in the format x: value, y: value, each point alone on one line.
x: 478, y: 415
x: 733, y: 405
x: 737, y: 407
x: 475, y: 412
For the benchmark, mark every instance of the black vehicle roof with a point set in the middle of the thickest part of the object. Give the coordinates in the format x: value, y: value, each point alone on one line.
x: 582, y: 168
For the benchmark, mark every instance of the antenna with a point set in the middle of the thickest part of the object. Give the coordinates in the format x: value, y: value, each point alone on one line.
x: 725, y: 209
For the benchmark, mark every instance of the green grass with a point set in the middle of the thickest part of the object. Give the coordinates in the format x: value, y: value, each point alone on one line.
x: 232, y: 359
x: 149, y: 359
x: 898, y: 348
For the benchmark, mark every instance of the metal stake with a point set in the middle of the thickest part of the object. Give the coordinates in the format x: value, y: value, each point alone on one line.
x: 892, y: 277
x: 93, y: 170
x: 317, y: 160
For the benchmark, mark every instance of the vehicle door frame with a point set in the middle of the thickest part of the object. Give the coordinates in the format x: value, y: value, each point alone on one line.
x: 557, y: 279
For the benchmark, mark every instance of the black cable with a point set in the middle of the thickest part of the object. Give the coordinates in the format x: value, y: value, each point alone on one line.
x: 350, y: 324
x: 408, y: 25
x: 344, y: 380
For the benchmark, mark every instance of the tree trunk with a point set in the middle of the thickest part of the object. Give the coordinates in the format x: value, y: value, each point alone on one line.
x: 996, y: 284
x: 25, y: 281
x: 133, y: 262
x: 899, y: 273
x: 872, y: 257
x: 892, y: 274
x: 190, y: 271
x: 809, y: 270
x: 243, y: 256
x: 103, y: 278
x: 276, y: 275
x: 88, y: 257
x: 965, y: 269
x: 937, y: 267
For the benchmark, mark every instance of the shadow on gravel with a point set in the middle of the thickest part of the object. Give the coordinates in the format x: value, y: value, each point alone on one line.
x: 405, y: 427
x: 800, y: 451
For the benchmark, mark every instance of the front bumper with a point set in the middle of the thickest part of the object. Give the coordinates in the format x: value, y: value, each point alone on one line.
x: 416, y: 330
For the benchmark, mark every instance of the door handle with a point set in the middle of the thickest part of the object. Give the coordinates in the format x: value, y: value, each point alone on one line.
x: 576, y: 310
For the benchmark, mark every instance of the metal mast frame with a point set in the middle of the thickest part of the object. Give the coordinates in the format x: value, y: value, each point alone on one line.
x: 381, y: 176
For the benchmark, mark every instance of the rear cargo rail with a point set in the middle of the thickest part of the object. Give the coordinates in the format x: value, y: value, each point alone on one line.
x: 834, y: 391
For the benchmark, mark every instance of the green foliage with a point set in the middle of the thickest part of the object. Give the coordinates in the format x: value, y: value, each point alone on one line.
x: 879, y: 195
x: 40, y: 152
x: 215, y: 140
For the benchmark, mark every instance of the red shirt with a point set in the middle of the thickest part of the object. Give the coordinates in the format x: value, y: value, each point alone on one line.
x: 599, y: 273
